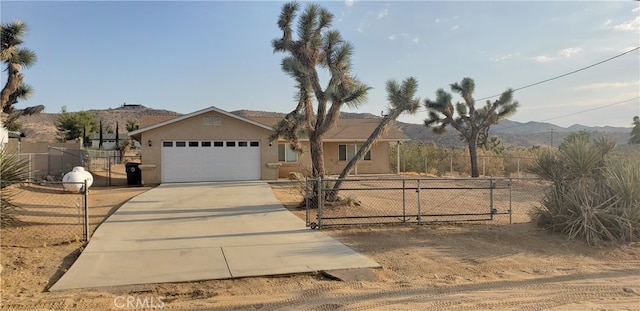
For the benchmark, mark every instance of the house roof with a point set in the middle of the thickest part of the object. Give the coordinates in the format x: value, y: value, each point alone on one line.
x: 347, y: 129
x: 136, y: 133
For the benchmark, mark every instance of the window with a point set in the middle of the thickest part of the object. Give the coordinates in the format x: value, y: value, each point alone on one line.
x: 167, y: 144
x: 181, y: 144
x: 255, y: 144
x: 242, y: 144
x: 286, y: 154
x: 193, y: 144
x: 231, y: 144
x: 212, y: 120
x: 206, y: 144
x: 347, y: 152
x: 218, y: 144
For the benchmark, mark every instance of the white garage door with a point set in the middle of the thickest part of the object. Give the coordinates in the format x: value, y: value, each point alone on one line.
x: 188, y: 160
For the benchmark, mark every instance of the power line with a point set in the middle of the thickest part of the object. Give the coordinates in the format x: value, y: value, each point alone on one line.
x: 566, y: 74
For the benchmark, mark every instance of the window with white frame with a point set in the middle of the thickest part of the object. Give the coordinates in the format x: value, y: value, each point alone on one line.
x: 347, y: 152
x: 286, y: 154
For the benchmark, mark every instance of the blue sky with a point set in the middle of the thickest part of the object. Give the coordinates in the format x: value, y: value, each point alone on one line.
x: 185, y: 56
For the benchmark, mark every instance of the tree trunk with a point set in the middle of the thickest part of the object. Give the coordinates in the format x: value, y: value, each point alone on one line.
x: 14, y: 80
x: 473, y: 153
x: 317, y: 155
x: 380, y: 129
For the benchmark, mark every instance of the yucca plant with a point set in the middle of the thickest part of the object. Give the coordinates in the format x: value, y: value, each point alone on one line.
x: 13, y: 169
x: 593, y: 197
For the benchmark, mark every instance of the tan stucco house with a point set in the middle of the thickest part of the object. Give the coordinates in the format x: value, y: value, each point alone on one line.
x: 216, y: 145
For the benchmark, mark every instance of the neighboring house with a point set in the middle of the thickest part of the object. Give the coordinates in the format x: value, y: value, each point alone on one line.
x: 213, y: 144
x: 109, y: 140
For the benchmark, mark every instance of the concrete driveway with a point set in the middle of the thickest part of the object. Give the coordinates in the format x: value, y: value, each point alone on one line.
x: 203, y: 231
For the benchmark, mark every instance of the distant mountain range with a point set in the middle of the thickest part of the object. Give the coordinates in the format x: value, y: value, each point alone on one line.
x: 41, y: 127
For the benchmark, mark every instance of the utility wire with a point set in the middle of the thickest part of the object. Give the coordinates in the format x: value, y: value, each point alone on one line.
x: 566, y: 74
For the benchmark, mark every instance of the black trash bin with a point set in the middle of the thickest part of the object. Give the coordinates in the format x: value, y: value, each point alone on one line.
x: 134, y: 174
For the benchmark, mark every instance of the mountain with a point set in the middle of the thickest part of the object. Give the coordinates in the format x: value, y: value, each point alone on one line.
x: 41, y: 127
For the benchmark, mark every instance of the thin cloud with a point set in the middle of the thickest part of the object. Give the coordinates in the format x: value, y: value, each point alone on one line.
x: 629, y: 25
x: 608, y: 22
x: 383, y: 13
x: 607, y: 85
x: 455, y: 27
x: 349, y: 2
x: 636, y: 9
x: 570, y: 52
x: 415, y: 40
x: 543, y: 59
x: 503, y: 57
x: 392, y: 37
x: 361, y: 28
x: 437, y: 20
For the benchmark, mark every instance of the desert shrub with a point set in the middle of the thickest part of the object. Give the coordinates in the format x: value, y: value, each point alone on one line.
x: 594, y: 196
x: 13, y: 169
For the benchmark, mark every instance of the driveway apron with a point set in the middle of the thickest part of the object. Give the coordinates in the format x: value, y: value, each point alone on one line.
x: 204, y: 231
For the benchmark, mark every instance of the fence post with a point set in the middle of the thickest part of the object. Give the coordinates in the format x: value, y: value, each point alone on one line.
x: 419, y: 209
x: 306, y: 200
x: 492, y: 185
x: 451, y: 164
x: 518, y: 167
x: 483, y: 167
x: 404, y: 203
x: 109, y: 171
x: 87, y: 234
x: 319, y: 202
x: 510, y: 200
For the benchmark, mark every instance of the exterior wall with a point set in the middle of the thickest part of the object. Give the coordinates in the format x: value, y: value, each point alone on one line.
x: 379, y: 163
x: 193, y: 128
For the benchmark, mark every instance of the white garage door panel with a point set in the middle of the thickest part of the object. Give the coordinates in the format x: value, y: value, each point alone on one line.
x: 227, y: 162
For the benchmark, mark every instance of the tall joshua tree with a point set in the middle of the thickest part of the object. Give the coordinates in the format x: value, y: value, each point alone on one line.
x: 15, y: 58
x: 401, y: 99
x: 472, y: 123
x: 635, y: 132
x: 316, y: 47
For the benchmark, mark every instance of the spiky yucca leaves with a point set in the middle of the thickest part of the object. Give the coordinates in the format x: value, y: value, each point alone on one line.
x: 592, y: 198
x: 13, y: 169
x: 471, y: 122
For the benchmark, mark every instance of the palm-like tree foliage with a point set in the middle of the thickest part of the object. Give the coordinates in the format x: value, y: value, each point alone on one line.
x: 635, y: 132
x: 13, y: 169
x: 15, y: 58
x: 401, y: 99
x: 471, y: 122
x: 311, y: 48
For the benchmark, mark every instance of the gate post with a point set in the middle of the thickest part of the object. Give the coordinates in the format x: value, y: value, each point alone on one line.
x: 86, y: 211
x: 419, y: 210
x: 319, y: 186
x: 492, y: 186
x: 510, y: 201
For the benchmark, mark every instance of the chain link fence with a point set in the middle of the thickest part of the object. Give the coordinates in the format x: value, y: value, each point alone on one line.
x: 43, y: 214
x: 420, y: 200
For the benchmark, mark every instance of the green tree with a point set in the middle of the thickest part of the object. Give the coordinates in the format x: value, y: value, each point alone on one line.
x: 635, y: 132
x: 472, y: 123
x: 15, y: 58
x: 132, y: 125
x: 316, y: 48
x: 74, y: 125
x: 402, y: 99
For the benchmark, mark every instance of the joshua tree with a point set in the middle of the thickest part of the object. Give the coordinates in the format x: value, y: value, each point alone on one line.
x: 635, y: 132
x: 472, y: 123
x: 317, y: 47
x: 15, y: 58
x: 402, y: 99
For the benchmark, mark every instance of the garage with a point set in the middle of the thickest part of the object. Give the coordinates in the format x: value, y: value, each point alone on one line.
x: 210, y: 160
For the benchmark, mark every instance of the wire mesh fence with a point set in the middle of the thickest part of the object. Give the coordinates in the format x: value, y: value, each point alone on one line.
x: 421, y: 200
x: 43, y: 214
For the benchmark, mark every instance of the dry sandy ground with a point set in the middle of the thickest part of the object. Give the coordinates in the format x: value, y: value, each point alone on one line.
x: 435, y: 267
